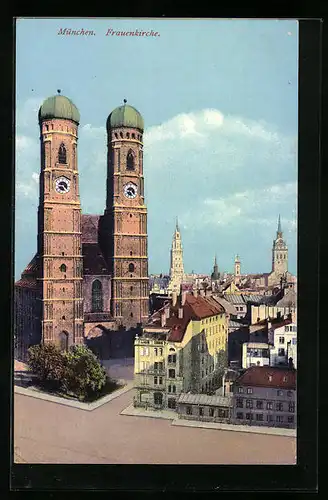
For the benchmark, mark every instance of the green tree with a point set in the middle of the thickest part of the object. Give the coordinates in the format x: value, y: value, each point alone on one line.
x: 47, y: 362
x: 222, y: 363
x: 85, y: 375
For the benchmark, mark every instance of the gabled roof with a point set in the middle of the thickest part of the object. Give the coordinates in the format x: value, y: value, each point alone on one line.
x: 90, y: 228
x: 195, y: 308
x: 268, y: 376
x: 234, y: 298
x: 275, y: 325
x: 93, y: 260
x: 29, y: 275
x: 204, y: 399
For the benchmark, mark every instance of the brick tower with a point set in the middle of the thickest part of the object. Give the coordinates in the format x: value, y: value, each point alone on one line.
x: 59, y: 225
x: 124, y: 234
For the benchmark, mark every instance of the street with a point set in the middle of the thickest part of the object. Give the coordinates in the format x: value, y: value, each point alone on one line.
x: 46, y: 432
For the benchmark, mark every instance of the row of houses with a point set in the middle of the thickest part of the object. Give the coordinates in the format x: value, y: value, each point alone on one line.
x: 182, y: 358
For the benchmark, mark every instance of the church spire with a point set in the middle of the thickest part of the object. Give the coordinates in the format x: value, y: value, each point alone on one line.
x: 177, y: 225
x: 279, y: 231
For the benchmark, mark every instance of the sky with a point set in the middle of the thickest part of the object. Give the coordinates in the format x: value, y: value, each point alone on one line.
x: 219, y: 100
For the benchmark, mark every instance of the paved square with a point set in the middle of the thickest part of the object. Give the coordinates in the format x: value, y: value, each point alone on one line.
x: 46, y: 432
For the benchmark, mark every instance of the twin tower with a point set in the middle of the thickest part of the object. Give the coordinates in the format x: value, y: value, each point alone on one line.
x: 117, y: 294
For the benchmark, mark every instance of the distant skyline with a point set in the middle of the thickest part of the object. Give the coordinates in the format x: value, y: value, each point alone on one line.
x: 220, y: 103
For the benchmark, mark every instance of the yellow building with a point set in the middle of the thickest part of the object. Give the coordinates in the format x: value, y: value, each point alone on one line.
x: 183, y: 348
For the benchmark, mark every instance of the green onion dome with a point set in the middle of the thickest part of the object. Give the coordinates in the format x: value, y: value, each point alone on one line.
x: 125, y: 116
x: 59, y: 106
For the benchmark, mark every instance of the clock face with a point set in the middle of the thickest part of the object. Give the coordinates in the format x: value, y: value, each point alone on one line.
x: 130, y: 190
x: 62, y: 185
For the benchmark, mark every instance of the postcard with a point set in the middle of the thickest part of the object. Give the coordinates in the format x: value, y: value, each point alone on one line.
x: 155, y: 297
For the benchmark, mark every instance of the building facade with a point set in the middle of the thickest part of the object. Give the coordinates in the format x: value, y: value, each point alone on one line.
x: 255, y: 354
x: 265, y: 396
x: 283, y: 340
x: 183, y: 348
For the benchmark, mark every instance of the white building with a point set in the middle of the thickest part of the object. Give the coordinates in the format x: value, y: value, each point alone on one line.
x: 283, y: 340
x: 255, y: 354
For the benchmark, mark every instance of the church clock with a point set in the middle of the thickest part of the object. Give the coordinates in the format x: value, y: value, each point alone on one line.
x: 62, y: 185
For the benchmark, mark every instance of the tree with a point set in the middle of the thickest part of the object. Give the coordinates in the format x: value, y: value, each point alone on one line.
x: 221, y: 365
x: 48, y: 364
x: 85, y: 375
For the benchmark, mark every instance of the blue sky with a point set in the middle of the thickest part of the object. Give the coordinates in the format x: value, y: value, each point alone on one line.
x: 220, y: 104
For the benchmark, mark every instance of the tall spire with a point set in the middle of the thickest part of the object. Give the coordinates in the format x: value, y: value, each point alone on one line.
x: 279, y: 231
x: 177, y: 225
x: 215, y: 263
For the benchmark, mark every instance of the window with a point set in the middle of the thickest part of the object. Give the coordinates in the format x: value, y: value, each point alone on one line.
x: 290, y: 419
x: 259, y: 417
x: 160, y: 380
x: 289, y: 394
x: 291, y: 407
x: 249, y: 390
x: 279, y: 418
x: 160, y: 351
x: 63, y: 317
x: 189, y: 410
x: 62, y: 154
x: 240, y: 390
x: 155, y: 380
x: 173, y: 388
x: 130, y: 161
x: 294, y: 341
x: 211, y: 412
x: 97, y: 296
x: 281, y: 352
x: 171, y: 403
x: 259, y: 404
x: 133, y: 136
x: 279, y: 393
x: 281, y: 340
x: 156, y: 351
x: 201, y: 411
x: 131, y: 268
x: 222, y: 413
x: 171, y: 373
x: 270, y: 418
x: 63, y: 268
x: 240, y: 415
x: 158, y: 398
x: 240, y: 403
x: 249, y: 416
x: 172, y: 358
x: 169, y: 388
x: 279, y: 406
x: 131, y: 288
x: 269, y: 405
x: 249, y: 403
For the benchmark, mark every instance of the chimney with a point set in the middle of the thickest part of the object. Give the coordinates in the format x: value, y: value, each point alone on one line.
x: 163, y: 318
x: 180, y: 313
x: 183, y: 298
x: 174, y: 298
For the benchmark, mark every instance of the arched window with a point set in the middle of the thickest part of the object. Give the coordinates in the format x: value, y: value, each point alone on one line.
x: 63, y: 268
x: 128, y: 135
x: 97, y: 296
x: 63, y: 339
x: 131, y: 268
x: 130, y: 161
x: 133, y: 136
x: 62, y: 154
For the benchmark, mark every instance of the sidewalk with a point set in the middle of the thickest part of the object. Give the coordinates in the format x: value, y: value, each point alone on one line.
x: 176, y: 421
x: 35, y: 393
x: 237, y: 428
x: 141, y: 412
